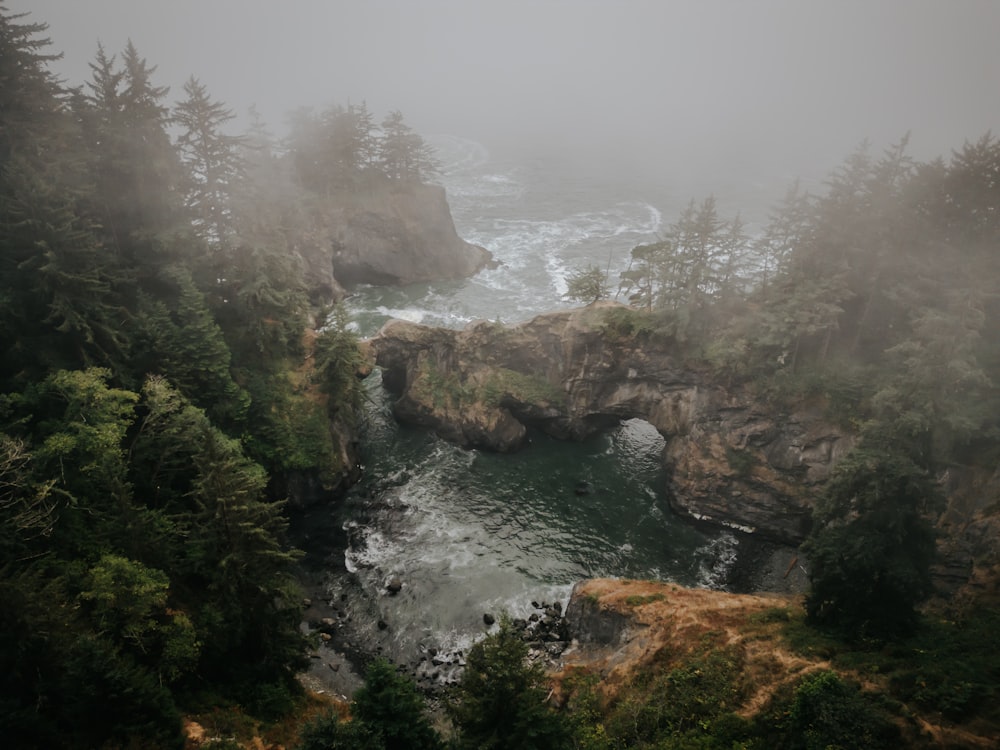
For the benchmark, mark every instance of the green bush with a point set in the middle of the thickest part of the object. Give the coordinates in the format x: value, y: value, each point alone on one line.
x: 389, y: 707
x: 827, y: 712
x: 500, y: 702
x: 620, y: 323
x: 694, y: 699
x: 329, y: 732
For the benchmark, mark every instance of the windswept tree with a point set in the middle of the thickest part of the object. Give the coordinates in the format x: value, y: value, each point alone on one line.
x: 587, y: 285
x: 641, y: 281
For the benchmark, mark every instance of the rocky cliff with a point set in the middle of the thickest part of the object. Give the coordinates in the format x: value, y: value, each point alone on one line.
x: 732, y: 459
x: 398, y: 233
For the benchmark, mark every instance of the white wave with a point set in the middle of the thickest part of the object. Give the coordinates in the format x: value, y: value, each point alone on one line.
x: 558, y: 272
x: 655, y: 224
x: 410, y: 314
x: 372, y: 553
x: 717, y: 560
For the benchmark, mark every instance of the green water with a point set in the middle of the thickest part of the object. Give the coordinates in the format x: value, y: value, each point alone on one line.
x: 471, y: 532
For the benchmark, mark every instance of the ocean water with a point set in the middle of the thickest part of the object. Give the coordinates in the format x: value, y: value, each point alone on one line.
x: 468, y: 532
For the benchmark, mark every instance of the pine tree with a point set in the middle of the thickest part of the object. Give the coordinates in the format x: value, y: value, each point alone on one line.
x: 500, y: 701
x: 181, y: 340
x: 136, y: 172
x: 786, y: 231
x: 213, y: 163
x: 56, y: 310
x: 587, y: 285
x: 403, y: 154
x: 873, y: 543
x: 390, y: 707
x: 31, y: 100
x: 249, y: 625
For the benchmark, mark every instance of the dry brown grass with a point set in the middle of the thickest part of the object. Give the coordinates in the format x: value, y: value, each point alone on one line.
x: 668, y: 622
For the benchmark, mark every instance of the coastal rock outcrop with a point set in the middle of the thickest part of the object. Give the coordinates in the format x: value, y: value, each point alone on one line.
x: 733, y: 461
x: 393, y: 234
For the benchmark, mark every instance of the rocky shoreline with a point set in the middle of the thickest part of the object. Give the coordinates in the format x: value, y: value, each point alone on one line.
x: 338, y: 612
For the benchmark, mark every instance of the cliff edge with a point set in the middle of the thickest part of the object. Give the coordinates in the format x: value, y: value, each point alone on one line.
x: 732, y: 458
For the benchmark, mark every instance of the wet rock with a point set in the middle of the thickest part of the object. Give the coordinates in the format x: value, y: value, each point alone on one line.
x: 589, y: 623
x: 394, y: 586
x: 382, y: 625
x: 488, y: 619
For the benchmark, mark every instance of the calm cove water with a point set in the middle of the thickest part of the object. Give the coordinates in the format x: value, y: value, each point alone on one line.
x: 468, y: 532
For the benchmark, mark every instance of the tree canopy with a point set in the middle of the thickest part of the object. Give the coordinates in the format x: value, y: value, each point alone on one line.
x: 155, y: 389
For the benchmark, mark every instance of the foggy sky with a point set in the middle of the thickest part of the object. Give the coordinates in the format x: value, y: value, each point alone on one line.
x: 682, y: 86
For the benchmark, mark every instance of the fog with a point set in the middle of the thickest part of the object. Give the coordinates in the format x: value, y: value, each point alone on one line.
x: 691, y: 87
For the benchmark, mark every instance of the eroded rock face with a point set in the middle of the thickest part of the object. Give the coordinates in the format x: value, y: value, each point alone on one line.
x: 399, y: 234
x: 732, y: 461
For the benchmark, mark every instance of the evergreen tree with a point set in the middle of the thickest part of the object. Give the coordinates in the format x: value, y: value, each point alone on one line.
x: 32, y: 106
x: 390, y: 707
x: 971, y: 193
x: 500, y: 702
x: 403, y: 154
x: 213, y: 163
x: 56, y: 309
x: 587, y: 285
x: 338, y: 361
x: 249, y: 625
x: 136, y: 173
x: 642, y: 279
x: 873, y: 544
x: 787, y: 230
x: 177, y: 337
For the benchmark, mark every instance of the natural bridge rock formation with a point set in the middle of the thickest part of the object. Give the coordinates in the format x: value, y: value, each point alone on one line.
x: 732, y: 461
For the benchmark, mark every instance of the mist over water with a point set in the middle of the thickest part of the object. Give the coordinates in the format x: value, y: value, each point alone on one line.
x: 542, y: 218
x: 470, y: 532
